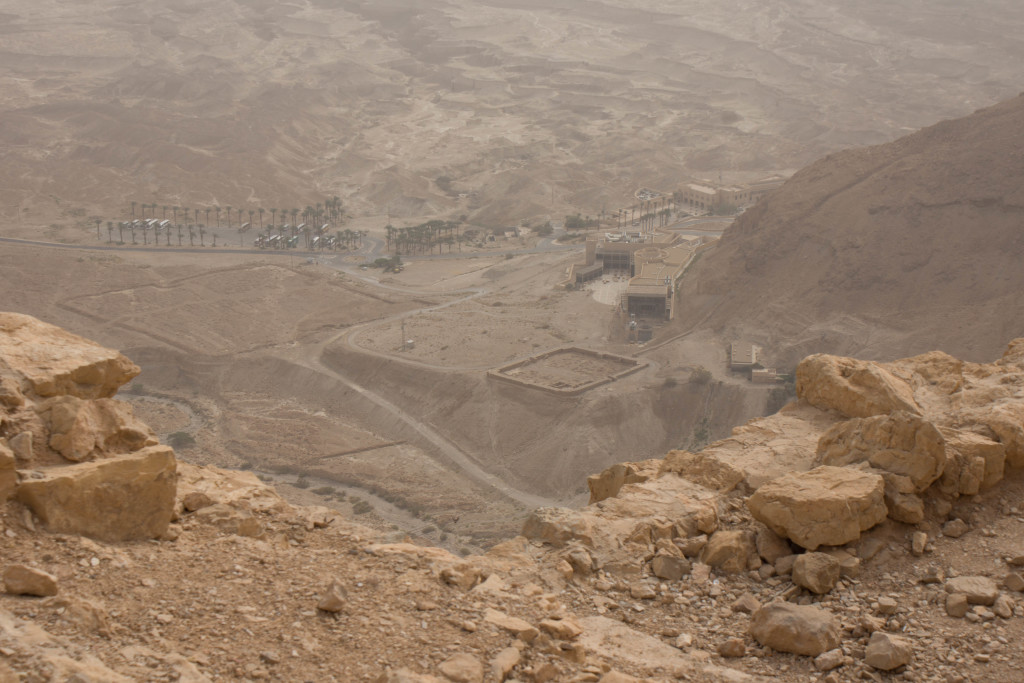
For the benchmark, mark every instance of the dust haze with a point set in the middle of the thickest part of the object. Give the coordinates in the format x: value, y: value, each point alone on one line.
x: 497, y: 114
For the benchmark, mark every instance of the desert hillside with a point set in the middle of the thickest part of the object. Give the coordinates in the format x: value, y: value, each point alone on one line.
x: 525, y: 107
x: 883, y: 250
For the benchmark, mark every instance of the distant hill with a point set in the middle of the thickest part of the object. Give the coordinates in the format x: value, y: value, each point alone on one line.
x: 882, y: 251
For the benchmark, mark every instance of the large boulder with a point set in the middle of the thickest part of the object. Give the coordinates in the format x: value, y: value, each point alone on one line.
x: 82, y: 430
x: 852, y: 387
x: 802, y: 630
x: 49, y: 361
x: 117, y: 499
x: 900, y: 443
x: 825, y: 506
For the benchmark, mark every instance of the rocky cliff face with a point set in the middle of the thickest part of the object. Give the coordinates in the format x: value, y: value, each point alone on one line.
x: 881, y: 251
x: 869, y: 527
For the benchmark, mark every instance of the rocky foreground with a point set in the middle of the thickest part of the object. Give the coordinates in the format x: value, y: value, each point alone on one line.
x: 868, y: 531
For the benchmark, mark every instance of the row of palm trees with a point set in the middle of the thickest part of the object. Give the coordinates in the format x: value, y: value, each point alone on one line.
x: 331, y: 210
x: 646, y: 215
x: 137, y: 226
x: 422, y: 238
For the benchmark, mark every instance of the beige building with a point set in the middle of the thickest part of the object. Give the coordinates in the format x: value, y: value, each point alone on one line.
x: 706, y: 196
x: 654, y: 263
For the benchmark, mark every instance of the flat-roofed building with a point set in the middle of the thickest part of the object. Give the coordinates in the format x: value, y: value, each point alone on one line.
x: 742, y: 356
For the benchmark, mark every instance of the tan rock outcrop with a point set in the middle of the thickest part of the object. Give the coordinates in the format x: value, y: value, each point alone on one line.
x: 973, y: 462
x: 702, y: 469
x: 1007, y: 421
x: 852, y: 387
x: 82, y: 430
x: 118, y: 499
x: 900, y: 443
x: 52, y: 362
x: 608, y: 482
x: 825, y: 506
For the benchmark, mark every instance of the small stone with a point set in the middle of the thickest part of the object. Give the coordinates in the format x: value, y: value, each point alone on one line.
x: 1003, y: 606
x: 746, y: 604
x: 196, y: 500
x: 504, y: 662
x: 524, y: 630
x: 642, y: 591
x: 956, y: 605
x: 734, y: 647
x: 784, y: 565
x: 333, y: 599
x: 980, y: 590
x: 817, y: 572
x: 771, y: 546
x: 918, y: 543
x: 887, y: 652
x: 693, y: 546
x: 20, y: 579
x: 827, y: 661
x: 670, y: 567
x: 887, y: 605
x: 1014, y: 582
x: 684, y: 641
x: 469, y: 626
x: 462, y: 668
x: 791, y: 628
x: 955, y: 528
x: 270, y: 657
x: 562, y: 629
x: 932, y: 574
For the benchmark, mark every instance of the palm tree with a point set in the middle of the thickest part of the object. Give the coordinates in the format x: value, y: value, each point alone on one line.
x: 261, y: 217
x: 229, y: 217
x: 110, y: 231
x: 174, y: 213
x: 251, y: 214
x: 131, y: 226
x: 239, y: 216
x: 207, y: 210
x: 179, y: 234
x: 216, y: 210
x: 167, y: 231
x: 273, y: 216
x: 133, y: 210
x: 191, y: 236
x: 202, y: 235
